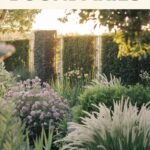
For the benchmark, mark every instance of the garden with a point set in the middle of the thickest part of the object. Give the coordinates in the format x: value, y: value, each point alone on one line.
x: 75, y: 92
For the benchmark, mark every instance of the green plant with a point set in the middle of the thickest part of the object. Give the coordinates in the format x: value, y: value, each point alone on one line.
x: 6, y: 79
x: 69, y: 91
x: 124, y: 128
x: 105, y: 91
x: 11, y: 129
x: 44, y: 142
x: 127, y: 68
x: 138, y: 94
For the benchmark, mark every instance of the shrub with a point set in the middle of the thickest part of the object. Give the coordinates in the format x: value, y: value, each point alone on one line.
x: 125, y: 128
x: 37, y: 105
x: 100, y: 94
x: 105, y: 91
x: 138, y: 94
x: 127, y: 68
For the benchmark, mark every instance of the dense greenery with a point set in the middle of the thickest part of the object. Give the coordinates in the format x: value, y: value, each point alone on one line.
x: 79, y: 56
x: 18, y: 20
x: 19, y: 61
x: 127, y: 68
x: 69, y: 91
x: 44, y: 54
x: 106, y: 93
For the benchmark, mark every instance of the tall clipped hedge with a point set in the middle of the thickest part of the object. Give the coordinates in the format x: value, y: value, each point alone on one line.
x: 20, y: 59
x: 79, y: 53
x: 44, y: 54
x: 127, y: 68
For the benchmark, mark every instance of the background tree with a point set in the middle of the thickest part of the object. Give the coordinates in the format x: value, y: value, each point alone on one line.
x: 129, y: 26
x: 16, y: 20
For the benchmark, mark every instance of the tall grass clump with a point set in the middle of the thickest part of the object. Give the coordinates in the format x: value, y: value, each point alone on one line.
x: 67, y: 90
x: 124, y: 128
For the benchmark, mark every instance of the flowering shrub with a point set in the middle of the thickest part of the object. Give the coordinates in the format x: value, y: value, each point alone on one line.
x: 125, y: 128
x: 37, y: 105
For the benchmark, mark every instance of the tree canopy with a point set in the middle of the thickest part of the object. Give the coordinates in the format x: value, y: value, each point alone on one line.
x: 16, y: 20
x: 130, y: 27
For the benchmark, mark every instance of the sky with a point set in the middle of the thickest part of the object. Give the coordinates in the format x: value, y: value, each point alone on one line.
x: 48, y: 20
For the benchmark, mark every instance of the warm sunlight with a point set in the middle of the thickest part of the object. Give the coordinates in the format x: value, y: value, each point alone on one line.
x: 48, y: 20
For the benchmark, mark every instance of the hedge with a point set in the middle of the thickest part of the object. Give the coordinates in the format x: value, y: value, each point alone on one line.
x: 127, y: 68
x: 20, y: 59
x: 44, y: 54
x: 79, y: 53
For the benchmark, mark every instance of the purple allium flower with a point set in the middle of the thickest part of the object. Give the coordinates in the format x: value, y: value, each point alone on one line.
x: 42, y: 116
x: 24, y: 109
x: 33, y: 113
x: 37, y: 105
x: 56, y: 114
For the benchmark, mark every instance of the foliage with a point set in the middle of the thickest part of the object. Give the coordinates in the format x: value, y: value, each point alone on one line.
x: 79, y: 56
x: 106, y: 93
x: 44, y: 46
x: 44, y: 142
x: 61, y: 132
x: 129, y: 23
x: 20, y: 59
x: 67, y: 90
x: 123, y: 128
x: 127, y: 68
x: 6, y: 79
x: 11, y: 137
x: 11, y: 132
x: 16, y: 20
x: 38, y: 105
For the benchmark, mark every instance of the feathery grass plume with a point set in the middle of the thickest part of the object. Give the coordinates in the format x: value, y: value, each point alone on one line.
x: 102, y: 79
x: 124, y: 128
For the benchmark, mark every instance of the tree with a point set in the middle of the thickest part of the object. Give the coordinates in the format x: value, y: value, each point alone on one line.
x: 16, y: 20
x: 129, y: 26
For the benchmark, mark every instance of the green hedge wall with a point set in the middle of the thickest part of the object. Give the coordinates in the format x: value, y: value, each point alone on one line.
x: 79, y: 53
x: 44, y: 54
x: 127, y: 68
x: 20, y: 59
